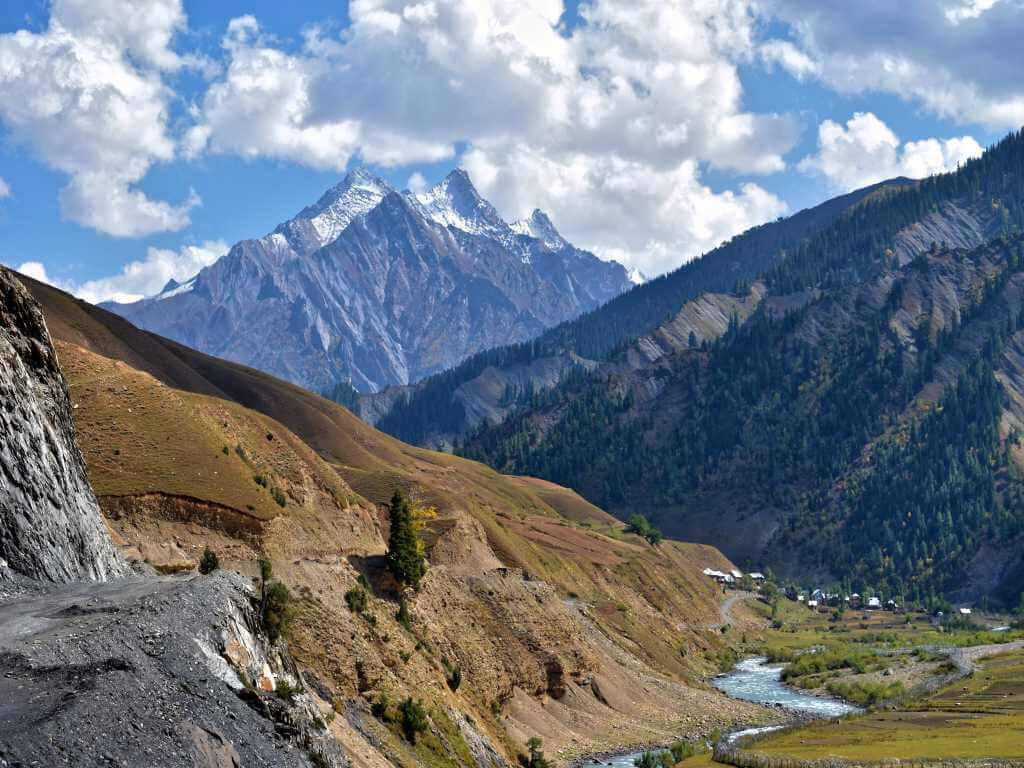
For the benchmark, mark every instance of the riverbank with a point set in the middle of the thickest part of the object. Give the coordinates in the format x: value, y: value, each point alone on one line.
x: 976, y: 719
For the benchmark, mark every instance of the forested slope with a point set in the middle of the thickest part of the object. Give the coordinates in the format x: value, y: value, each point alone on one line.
x: 861, y: 423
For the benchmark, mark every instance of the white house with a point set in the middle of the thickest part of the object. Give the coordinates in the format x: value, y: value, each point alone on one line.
x: 736, y: 574
x: 874, y: 603
x: 756, y: 576
x: 812, y: 604
x: 965, y: 611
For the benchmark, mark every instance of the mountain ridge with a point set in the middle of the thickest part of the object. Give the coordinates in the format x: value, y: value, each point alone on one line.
x: 380, y: 287
x: 781, y: 419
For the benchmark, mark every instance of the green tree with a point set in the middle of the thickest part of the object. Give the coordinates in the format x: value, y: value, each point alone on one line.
x: 414, y: 719
x: 405, y: 553
x: 536, y: 759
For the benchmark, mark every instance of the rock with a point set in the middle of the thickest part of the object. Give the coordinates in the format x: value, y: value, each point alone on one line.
x: 50, y: 524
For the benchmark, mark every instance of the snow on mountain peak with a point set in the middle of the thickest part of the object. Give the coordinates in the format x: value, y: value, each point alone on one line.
x: 358, y: 193
x: 454, y: 202
x: 636, y: 277
x: 539, y: 226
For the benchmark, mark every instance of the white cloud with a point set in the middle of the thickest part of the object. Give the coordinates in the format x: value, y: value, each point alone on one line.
x: 789, y: 57
x: 137, y: 279
x: 87, y: 97
x: 35, y: 270
x: 865, y: 151
x: 952, y: 56
x: 147, y: 277
x: 417, y: 183
x: 141, y: 29
x: 642, y: 90
x: 966, y: 10
x: 5, y: 189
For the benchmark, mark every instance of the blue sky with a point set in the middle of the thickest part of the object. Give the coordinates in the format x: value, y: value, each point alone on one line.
x: 162, y: 131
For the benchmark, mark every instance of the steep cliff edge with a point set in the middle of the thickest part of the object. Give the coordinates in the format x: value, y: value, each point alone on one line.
x: 50, y: 525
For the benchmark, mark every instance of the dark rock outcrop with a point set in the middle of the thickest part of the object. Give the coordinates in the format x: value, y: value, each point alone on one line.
x: 50, y: 525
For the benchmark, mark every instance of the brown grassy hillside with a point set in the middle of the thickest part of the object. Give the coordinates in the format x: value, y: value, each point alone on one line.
x: 563, y: 625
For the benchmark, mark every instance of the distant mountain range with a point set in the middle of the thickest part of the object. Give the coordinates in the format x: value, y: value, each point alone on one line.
x: 378, y: 287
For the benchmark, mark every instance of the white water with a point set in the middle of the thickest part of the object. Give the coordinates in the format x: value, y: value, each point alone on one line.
x: 758, y: 681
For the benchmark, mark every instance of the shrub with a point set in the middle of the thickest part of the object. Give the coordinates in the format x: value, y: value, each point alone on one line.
x: 209, y: 562
x: 275, y: 603
x: 452, y: 674
x: 414, y: 719
x: 287, y: 691
x: 278, y: 495
x: 225, y: 451
x: 379, y: 708
x: 536, y: 758
x: 356, y: 600
x: 403, y: 617
x: 260, y: 480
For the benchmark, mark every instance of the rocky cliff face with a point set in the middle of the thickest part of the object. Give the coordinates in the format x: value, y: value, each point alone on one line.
x: 50, y: 526
x: 381, y: 287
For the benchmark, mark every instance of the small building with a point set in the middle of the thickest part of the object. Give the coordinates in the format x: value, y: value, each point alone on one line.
x: 965, y: 611
x: 756, y: 576
x: 812, y: 604
x: 874, y: 604
x: 818, y: 595
x: 800, y: 598
x: 737, y: 575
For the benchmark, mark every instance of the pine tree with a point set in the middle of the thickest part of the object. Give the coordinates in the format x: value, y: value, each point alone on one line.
x: 405, y: 556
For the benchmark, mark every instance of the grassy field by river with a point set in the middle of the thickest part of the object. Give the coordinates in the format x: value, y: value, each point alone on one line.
x: 980, y: 716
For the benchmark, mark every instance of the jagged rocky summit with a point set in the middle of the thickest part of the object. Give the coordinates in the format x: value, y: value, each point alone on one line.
x: 382, y: 287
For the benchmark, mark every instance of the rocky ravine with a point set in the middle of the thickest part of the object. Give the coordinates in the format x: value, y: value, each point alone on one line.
x: 50, y: 525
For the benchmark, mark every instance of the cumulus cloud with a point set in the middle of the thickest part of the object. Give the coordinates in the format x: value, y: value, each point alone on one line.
x: 952, y: 56
x: 416, y: 183
x: 87, y: 97
x: 137, y: 279
x: 35, y: 270
x: 5, y: 189
x: 866, y: 150
x: 645, y: 91
x: 148, y: 276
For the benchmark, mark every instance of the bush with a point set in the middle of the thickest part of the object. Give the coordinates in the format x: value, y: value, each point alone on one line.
x: 403, y: 616
x: 209, y: 562
x: 536, y: 757
x: 356, y: 600
x: 278, y: 495
x: 379, y: 708
x: 452, y: 674
x: 260, y: 480
x: 867, y: 694
x: 414, y: 719
x: 287, y: 691
x: 275, y: 603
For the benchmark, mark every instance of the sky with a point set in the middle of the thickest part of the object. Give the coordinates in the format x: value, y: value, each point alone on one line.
x: 139, y: 139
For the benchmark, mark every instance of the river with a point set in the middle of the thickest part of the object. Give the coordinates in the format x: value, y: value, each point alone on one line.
x: 758, y: 681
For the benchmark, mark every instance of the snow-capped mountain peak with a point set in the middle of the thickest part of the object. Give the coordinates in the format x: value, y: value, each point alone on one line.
x: 454, y: 202
x: 358, y: 193
x: 540, y: 227
x: 636, y: 277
